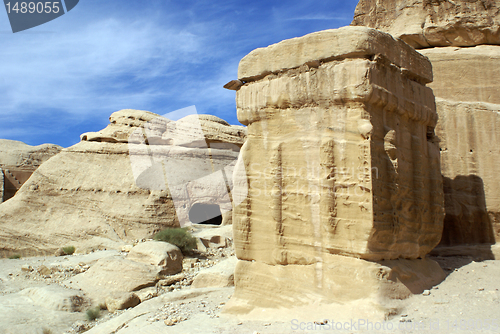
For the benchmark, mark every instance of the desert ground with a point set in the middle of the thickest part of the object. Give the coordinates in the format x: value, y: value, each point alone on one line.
x: 467, y: 301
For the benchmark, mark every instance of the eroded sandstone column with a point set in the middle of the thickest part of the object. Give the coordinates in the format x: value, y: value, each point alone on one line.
x: 341, y: 170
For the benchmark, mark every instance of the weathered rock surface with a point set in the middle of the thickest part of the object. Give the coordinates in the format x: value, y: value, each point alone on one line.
x: 466, y: 74
x: 341, y: 164
x: 221, y: 275
x: 428, y: 23
x: 328, y: 45
x: 105, y: 191
x: 214, y: 130
x: 18, y: 161
x: 172, y: 308
x: 470, y: 156
x: 2, y: 185
x: 162, y: 130
x: 122, y: 301
x: 336, y: 152
x: 344, y: 279
x: 18, y: 154
x: 210, y: 237
x: 462, y: 41
x: 114, y: 275
x: 199, y: 310
x: 58, y: 298
x: 122, y: 124
x: 165, y: 256
x: 194, y: 158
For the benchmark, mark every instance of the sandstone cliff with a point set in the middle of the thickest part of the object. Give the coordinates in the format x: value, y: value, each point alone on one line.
x: 462, y: 40
x: 466, y: 74
x: 432, y: 23
x: 18, y: 154
x: 469, y: 134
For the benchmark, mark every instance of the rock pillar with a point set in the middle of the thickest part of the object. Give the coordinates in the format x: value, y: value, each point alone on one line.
x: 341, y: 170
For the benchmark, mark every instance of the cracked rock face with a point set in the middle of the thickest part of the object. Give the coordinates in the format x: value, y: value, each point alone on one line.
x: 431, y: 23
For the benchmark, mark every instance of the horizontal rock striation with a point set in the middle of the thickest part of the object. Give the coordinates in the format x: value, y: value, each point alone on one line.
x: 466, y: 74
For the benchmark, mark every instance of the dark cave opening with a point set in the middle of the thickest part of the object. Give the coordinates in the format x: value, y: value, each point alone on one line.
x: 205, y: 214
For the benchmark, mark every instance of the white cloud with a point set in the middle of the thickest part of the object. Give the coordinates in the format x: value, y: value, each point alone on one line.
x: 70, y: 74
x: 81, y: 69
x: 316, y: 17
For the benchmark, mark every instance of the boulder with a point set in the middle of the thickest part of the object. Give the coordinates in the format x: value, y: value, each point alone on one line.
x: 114, y: 275
x: 169, y: 280
x: 431, y: 23
x: 122, y: 301
x: 57, y: 298
x: 110, y: 189
x: 219, y: 276
x: 466, y: 74
x: 165, y: 256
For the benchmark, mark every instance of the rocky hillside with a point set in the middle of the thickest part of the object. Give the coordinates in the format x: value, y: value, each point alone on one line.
x: 88, y: 196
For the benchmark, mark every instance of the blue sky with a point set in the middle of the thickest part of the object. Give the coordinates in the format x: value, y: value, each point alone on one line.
x: 67, y: 76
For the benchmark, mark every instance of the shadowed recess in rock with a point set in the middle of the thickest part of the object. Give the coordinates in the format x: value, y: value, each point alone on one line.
x: 205, y: 214
x: 466, y: 220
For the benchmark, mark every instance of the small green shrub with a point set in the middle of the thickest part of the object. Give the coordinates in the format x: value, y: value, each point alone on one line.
x: 93, y: 313
x: 177, y: 236
x: 15, y: 256
x: 68, y: 250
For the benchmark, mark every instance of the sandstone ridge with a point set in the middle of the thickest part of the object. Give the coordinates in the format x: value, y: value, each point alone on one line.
x: 87, y: 195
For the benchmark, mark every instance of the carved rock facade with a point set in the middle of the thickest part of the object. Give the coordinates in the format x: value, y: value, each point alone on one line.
x: 341, y: 167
